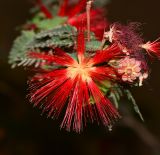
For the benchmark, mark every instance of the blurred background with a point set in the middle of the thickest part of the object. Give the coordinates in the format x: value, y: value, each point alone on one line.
x: 23, y: 131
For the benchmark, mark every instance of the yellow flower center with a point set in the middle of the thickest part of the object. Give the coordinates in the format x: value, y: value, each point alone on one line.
x: 80, y: 69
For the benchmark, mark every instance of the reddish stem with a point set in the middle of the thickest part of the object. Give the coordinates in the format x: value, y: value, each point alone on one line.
x: 88, y: 10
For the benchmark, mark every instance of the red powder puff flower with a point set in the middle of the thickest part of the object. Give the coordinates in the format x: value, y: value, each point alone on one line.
x: 98, y: 22
x: 74, y: 84
x: 94, y: 19
x: 152, y: 47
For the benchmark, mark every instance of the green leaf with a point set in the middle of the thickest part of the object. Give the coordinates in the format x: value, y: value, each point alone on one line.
x: 136, y: 108
x: 115, y: 99
x: 63, y: 36
x: 19, y: 49
x: 93, y: 45
x: 47, y: 24
x: 116, y: 94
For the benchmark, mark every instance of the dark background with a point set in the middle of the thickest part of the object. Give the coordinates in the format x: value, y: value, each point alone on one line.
x: 23, y: 131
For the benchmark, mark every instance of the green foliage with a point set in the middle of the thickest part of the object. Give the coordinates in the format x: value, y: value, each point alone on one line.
x: 62, y: 36
x: 47, y: 24
x: 116, y: 92
x: 93, y: 45
x: 19, y: 49
x: 112, y: 90
x: 61, y: 31
x: 135, y: 106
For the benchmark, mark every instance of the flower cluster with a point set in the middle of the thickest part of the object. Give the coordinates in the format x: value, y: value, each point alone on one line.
x: 80, y: 65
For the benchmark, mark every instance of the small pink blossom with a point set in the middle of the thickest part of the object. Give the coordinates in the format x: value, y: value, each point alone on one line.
x: 129, y: 68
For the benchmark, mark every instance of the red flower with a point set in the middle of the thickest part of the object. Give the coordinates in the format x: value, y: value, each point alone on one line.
x: 152, y: 47
x: 76, y: 15
x: 98, y: 22
x: 74, y: 84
